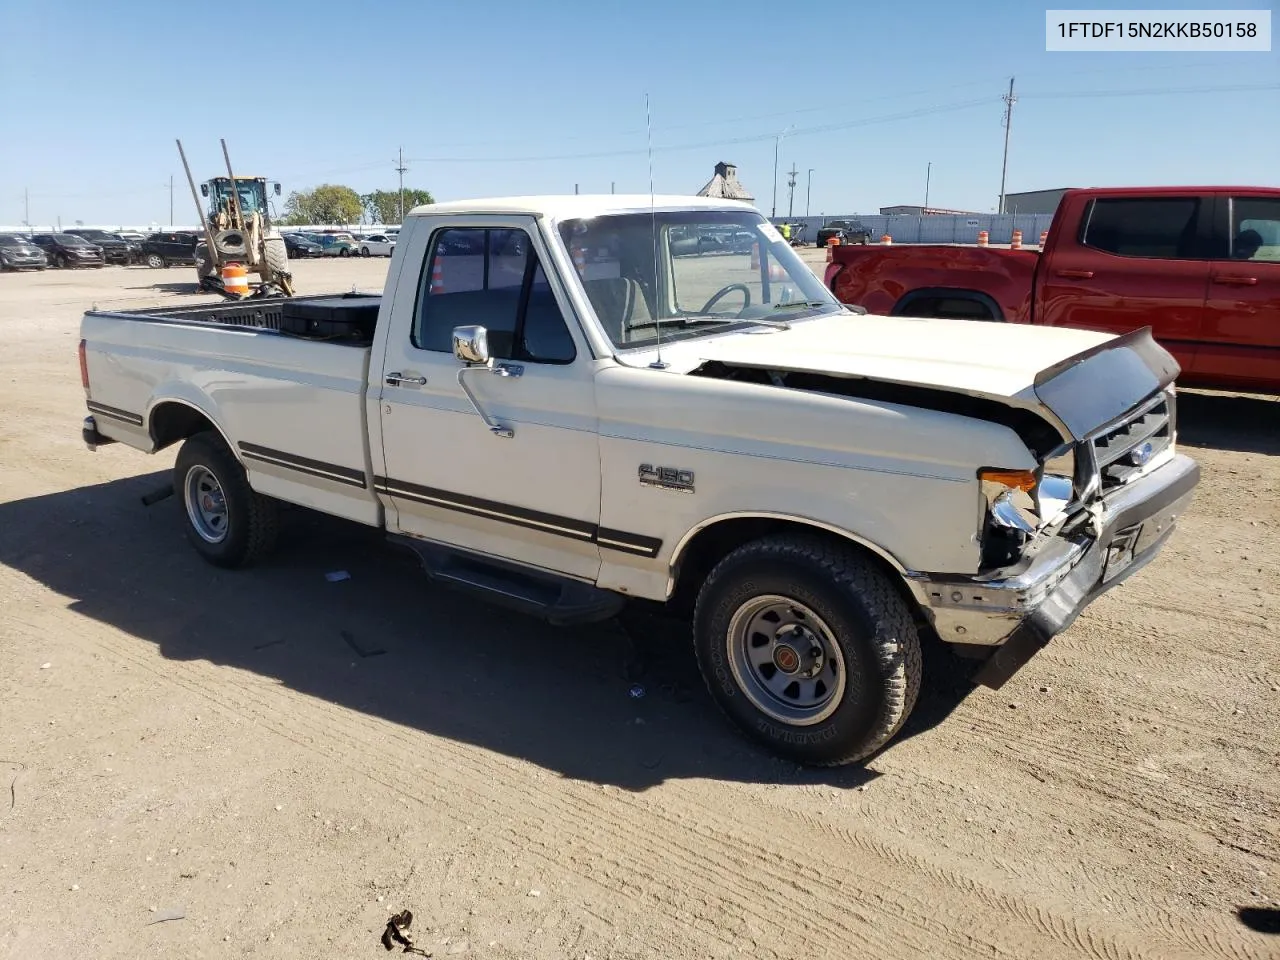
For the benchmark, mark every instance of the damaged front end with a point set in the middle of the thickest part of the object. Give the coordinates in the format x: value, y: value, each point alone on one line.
x: 1096, y: 511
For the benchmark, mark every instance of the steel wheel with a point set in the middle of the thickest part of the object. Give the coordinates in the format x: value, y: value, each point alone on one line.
x: 206, y: 504
x: 784, y: 658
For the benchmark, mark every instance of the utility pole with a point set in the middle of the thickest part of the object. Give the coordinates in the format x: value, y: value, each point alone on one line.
x: 808, y: 190
x: 774, y: 211
x: 1009, y: 100
x: 400, y: 169
x: 26, y: 206
x: 575, y: 189
x: 612, y: 185
x: 927, y: 174
x: 791, y: 185
x: 171, y: 200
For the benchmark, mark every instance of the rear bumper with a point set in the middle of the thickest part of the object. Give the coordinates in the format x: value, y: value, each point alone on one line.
x: 1018, y: 614
x: 92, y: 438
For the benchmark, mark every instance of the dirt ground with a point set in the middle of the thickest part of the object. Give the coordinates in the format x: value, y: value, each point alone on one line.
x: 282, y: 761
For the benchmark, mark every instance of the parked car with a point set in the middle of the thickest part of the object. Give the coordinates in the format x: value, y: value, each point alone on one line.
x: 164, y: 249
x: 816, y: 485
x: 377, y: 245
x: 301, y: 246
x: 19, y: 253
x: 115, y: 249
x: 335, y: 245
x: 1200, y: 266
x: 67, y: 250
x: 131, y: 236
x: 849, y: 231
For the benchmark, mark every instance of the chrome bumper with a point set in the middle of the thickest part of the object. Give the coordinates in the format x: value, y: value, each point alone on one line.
x: 92, y: 438
x: 1019, y: 611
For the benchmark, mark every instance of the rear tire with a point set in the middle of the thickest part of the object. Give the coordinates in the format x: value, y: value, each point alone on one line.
x: 829, y: 615
x: 228, y: 523
x: 155, y: 261
x: 364, y: 251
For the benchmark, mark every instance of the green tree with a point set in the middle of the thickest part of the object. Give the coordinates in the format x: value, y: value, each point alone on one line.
x: 328, y: 203
x: 383, y: 206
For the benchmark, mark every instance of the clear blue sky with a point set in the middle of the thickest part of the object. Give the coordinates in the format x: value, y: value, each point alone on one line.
x: 481, y: 95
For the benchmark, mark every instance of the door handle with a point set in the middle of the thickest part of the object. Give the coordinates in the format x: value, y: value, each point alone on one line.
x: 396, y: 379
x: 1076, y: 274
x: 1236, y: 281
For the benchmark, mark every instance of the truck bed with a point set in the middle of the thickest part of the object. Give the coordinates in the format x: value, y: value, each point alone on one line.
x: 898, y: 280
x: 230, y: 361
x: 258, y: 314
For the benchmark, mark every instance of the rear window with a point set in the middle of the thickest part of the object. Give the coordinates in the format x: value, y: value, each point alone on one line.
x: 1157, y: 227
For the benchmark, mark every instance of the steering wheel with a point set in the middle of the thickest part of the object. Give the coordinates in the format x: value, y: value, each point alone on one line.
x: 746, y: 292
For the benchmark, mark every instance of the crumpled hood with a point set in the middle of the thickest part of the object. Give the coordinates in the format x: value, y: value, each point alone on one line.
x: 1083, y: 378
x: 974, y: 357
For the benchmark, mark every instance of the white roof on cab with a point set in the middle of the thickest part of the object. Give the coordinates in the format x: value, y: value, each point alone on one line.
x: 572, y: 206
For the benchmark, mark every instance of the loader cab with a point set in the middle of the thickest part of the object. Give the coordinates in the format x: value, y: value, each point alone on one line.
x: 252, y: 193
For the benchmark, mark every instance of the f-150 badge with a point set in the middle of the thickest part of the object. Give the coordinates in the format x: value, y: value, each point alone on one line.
x: 668, y: 478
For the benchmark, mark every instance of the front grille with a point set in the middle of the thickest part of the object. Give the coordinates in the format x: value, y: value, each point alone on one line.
x: 1124, y: 450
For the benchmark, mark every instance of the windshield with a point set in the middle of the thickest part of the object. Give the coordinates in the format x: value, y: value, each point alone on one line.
x: 12, y: 242
x: 71, y: 240
x: 715, y: 270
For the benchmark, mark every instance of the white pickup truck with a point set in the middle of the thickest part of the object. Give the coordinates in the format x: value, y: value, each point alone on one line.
x: 564, y: 402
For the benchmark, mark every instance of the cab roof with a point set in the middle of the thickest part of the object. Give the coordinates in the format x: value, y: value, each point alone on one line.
x: 573, y: 206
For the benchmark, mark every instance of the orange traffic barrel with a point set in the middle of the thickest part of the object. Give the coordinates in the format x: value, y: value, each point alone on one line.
x: 982, y: 238
x: 886, y: 239
x: 235, y: 279
x: 1044, y: 235
x: 1016, y: 242
x: 437, y: 276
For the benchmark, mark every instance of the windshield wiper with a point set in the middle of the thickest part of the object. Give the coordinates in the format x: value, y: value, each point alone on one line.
x: 801, y: 303
x: 699, y: 318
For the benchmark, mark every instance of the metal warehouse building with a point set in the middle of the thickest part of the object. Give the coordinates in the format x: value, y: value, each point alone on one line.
x: 1034, y: 201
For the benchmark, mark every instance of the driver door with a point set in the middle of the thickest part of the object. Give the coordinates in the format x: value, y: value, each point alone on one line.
x: 532, y: 496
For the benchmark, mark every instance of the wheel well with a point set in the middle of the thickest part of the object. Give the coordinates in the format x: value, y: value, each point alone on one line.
x: 172, y: 421
x: 942, y: 302
x: 712, y: 544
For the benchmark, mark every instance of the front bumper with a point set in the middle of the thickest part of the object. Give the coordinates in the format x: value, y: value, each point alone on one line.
x: 24, y: 262
x: 1016, y: 612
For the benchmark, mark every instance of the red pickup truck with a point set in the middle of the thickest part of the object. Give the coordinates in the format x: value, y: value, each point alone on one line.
x: 1200, y: 266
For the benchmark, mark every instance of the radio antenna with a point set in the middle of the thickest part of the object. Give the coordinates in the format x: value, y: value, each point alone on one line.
x: 653, y: 222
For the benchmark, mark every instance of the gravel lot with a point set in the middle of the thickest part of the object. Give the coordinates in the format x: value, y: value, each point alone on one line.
x: 282, y: 761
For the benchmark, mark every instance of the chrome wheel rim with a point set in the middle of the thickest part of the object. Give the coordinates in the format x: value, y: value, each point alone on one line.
x: 785, y: 660
x: 206, y: 504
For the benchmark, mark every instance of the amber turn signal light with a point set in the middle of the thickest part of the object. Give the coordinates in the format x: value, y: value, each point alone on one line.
x: 1014, y: 479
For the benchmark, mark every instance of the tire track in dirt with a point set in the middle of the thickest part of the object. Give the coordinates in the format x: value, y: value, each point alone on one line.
x: 283, y: 712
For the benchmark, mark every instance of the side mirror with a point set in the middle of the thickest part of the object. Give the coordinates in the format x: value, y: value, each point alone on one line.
x: 204, y: 189
x: 471, y: 345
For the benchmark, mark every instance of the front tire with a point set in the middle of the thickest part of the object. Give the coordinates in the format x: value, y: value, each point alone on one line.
x: 155, y: 261
x: 808, y: 647
x: 276, y: 254
x: 228, y: 523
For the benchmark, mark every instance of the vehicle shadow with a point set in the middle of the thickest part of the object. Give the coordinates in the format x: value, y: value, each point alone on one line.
x: 170, y: 287
x: 619, y: 703
x: 1229, y: 421
x: 1260, y: 919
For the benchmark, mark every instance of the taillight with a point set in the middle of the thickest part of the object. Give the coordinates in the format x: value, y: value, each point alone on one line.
x: 84, y: 368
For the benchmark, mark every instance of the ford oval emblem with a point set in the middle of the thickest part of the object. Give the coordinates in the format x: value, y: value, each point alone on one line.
x: 1139, y: 455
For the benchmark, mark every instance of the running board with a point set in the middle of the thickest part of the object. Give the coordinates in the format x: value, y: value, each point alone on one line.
x: 557, y: 600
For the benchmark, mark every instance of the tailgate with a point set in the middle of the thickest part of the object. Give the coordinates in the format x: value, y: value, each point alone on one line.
x: 1100, y: 385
